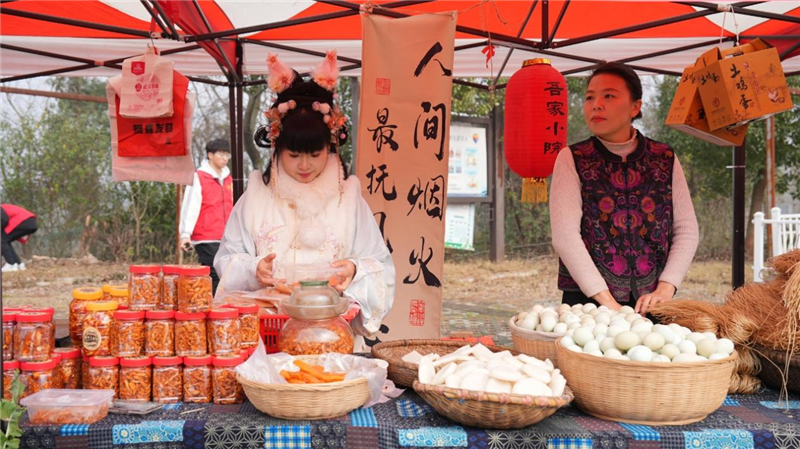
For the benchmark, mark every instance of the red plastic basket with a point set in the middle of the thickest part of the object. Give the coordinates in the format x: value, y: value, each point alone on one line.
x: 271, y: 326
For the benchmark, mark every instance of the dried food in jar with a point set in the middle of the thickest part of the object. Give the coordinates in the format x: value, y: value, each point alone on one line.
x: 77, y: 309
x: 160, y: 333
x: 144, y: 287
x: 70, y: 368
x: 135, y: 381
x: 194, y: 290
x: 197, y: 379
x: 32, y: 337
x: 249, y: 325
x: 9, y: 323
x: 190, y: 334
x: 9, y: 370
x: 119, y: 293
x: 97, y: 328
x: 169, y: 287
x: 223, y: 332
x: 167, y: 379
x: 227, y: 390
x: 127, y: 337
x: 300, y: 337
x: 37, y: 376
x: 103, y: 374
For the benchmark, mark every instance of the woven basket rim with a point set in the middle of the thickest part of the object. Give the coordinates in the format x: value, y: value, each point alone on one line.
x: 634, y: 364
x: 398, y: 362
x: 482, y: 396
x: 779, y: 354
x: 531, y: 335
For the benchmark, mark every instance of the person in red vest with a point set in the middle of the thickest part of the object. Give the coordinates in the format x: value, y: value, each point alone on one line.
x: 17, y: 224
x: 207, y: 204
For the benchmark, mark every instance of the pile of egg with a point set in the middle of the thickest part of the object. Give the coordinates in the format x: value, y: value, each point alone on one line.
x: 624, y: 334
x: 477, y: 368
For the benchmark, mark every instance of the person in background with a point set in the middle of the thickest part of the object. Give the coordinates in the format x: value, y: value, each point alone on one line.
x: 621, y: 215
x: 207, y: 204
x: 17, y: 224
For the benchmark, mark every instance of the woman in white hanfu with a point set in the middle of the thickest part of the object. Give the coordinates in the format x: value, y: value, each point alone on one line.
x: 304, y: 208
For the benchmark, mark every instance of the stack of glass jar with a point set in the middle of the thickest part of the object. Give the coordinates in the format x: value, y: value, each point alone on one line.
x: 29, y: 341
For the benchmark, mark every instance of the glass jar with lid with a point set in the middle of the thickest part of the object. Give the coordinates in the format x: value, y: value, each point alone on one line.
x: 316, y: 325
x: 81, y: 296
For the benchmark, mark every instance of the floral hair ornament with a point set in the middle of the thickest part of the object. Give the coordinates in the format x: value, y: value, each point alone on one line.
x: 327, y: 72
x: 280, y: 75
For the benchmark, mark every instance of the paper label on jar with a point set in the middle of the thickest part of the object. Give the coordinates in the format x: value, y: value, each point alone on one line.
x: 92, y: 339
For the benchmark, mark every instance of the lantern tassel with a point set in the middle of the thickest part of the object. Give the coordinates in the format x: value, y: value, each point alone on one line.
x: 534, y: 190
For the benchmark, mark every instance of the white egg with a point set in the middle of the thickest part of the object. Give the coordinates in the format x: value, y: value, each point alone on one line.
x: 570, y: 332
x: 600, y: 329
x: 602, y: 318
x: 587, y: 320
x: 531, y: 387
x: 564, y: 308
x: 530, y: 322
x: 624, y: 357
x: 577, y: 308
x: 625, y: 310
x: 724, y: 346
x: 588, y: 307
x: 641, y: 334
x: 640, y: 327
x: 606, y: 344
x: 575, y: 348
x: 640, y: 354
x: 665, y: 332
x: 654, y: 341
x: 560, y: 328
x: 570, y: 319
x: 549, y: 322
x: 521, y: 316
x: 600, y: 337
x: 596, y: 353
x: 475, y: 381
x: 685, y: 358
x: 612, y: 353
x: 678, y: 338
x: 567, y: 341
x: 688, y: 347
x: 613, y: 330
x: 631, y: 317
x: 670, y: 350
x: 494, y: 385
x: 626, y: 326
x: 706, y: 347
x: 676, y: 327
x: 594, y: 312
x: 582, y: 335
x: 539, y: 328
x: 575, y: 325
x: 591, y: 346
x: 717, y: 356
x: 626, y: 340
x: 662, y: 358
x: 452, y: 381
x: 537, y: 308
x: 710, y: 335
x: 695, y: 337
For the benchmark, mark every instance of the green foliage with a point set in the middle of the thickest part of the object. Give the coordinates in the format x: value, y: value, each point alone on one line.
x: 10, y: 414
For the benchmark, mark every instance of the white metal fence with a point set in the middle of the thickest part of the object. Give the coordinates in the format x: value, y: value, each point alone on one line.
x: 785, y: 236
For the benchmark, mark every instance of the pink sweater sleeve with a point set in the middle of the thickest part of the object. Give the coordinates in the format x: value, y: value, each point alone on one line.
x: 685, y: 233
x: 566, y: 212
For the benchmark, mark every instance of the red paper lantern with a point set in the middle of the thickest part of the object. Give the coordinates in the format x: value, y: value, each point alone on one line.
x: 535, y: 125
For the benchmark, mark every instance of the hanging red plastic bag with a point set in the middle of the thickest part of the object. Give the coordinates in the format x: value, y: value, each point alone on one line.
x: 176, y: 169
x: 163, y: 136
x: 147, y: 86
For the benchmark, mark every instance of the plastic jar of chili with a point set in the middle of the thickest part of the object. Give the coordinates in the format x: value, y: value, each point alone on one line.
x: 167, y: 379
x: 227, y: 390
x: 38, y: 376
x: 9, y: 323
x: 135, y: 379
x: 169, y: 287
x: 70, y: 367
x: 160, y: 333
x: 77, y: 310
x: 194, y: 289
x: 190, y: 334
x: 223, y: 332
x: 103, y: 374
x: 197, y: 379
x: 249, y: 325
x: 144, y: 286
x: 127, y: 338
x: 33, y: 337
x: 97, y: 326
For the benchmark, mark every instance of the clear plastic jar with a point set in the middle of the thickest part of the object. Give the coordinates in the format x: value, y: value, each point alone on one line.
x: 9, y: 323
x: 97, y: 326
x: 103, y: 374
x: 77, y: 310
x: 144, y: 286
x: 84, y: 371
x: 197, y: 379
x: 167, y: 379
x: 190, y: 334
x: 223, y: 332
x: 70, y: 367
x: 169, y: 287
x: 58, y: 381
x: 37, y: 376
x: 160, y: 333
x: 227, y: 390
x: 135, y: 379
x: 249, y: 325
x: 50, y: 311
x: 309, y: 337
x: 119, y: 293
x: 127, y: 336
x: 32, y: 337
x: 194, y: 289
x: 9, y: 369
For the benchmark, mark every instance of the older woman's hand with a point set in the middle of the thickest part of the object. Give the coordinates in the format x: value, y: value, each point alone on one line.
x: 663, y: 293
x: 347, y: 278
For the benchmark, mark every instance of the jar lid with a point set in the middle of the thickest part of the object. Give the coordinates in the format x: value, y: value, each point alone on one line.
x: 106, y: 288
x: 118, y: 290
x: 535, y: 61
x: 167, y: 361
x: 11, y: 364
x: 32, y: 317
x: 183, y: 316
x: 197, y: 361
x: 195, y: 270
x: 102, y: 306
x: 68, y: 353
x: 160, y: 314
x: 235, y: 360
x: 56, y: 357
x: 38, y: 366
x: 244, y: 308
x: 84, y: 357
x: 135, y: 361
x: 314, y: 300
x: 144, y: 269
x: 9, y: 316
x: 11, y: 309
x: 48, y: 310
x: 171, y: 269
x: 103, y: 361
x: 87, y: 293
x: 218, y: 314
x: 128, y: 315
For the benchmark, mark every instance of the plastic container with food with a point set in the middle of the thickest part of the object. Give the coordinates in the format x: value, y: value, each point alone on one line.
x: 194, y: 289
x: 160, y: 333
x: 316, y: 325
x: 97, y: 327
x: 197, y: 379
x: 190, y: 334
x: 9, y: 323
x: 103, y: 374
x: 144, y: 286
x: 33, y: 337
x: 167, y: 379
x: 49, y: 311
x: 223, y: 332
x: 135, y: 379
x: 9, y: 370
x: 119, y: 293
x: 68, y: 406
x: 227, y: 390
x: 69, y: 368
x: 248, y: 325
x: 169, y: 287
x: 77, y: 310
x: 127, y: 337
x: 38, y: 376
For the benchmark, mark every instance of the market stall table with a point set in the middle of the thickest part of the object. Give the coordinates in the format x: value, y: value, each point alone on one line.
x: 744, y: 421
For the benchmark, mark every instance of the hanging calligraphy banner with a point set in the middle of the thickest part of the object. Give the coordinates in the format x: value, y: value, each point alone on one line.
x: 403, y: 152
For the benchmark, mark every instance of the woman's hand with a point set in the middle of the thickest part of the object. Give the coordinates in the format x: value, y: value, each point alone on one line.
x: 350, y: 273
x: 605, y: 298
x: 662, y: 293
x: 264, y: 271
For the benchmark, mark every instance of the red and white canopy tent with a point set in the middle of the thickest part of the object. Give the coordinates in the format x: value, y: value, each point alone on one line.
x: 232, y: 38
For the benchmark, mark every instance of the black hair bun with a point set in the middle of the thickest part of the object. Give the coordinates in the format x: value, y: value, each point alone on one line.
x: 261, y: 137
x: 304, y: 93
x: 342, y: 135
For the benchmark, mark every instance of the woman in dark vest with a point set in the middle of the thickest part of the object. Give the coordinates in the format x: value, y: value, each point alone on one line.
x: 621, y: 214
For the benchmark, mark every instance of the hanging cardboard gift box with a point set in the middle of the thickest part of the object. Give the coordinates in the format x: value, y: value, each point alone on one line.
x: 742, y: 84
x: 686, y: 114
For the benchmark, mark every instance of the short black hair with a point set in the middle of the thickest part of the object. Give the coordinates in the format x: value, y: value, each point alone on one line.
x: 218, y: 145
x: 626, y: 73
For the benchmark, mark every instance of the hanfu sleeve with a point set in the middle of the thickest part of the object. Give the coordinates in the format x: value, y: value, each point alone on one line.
x: 236, y: 260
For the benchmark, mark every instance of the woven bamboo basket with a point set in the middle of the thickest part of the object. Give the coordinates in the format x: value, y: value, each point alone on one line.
x: 657, y: 394
x: 490, y: 410
x: 541, y: 345
x: 774, y: 370
x: 311, y: 402
x: 404, y: 374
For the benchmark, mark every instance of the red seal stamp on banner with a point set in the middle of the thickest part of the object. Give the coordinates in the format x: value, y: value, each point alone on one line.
x: 383, y: 86
x: 137, y: 67
x: 416, y: 313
